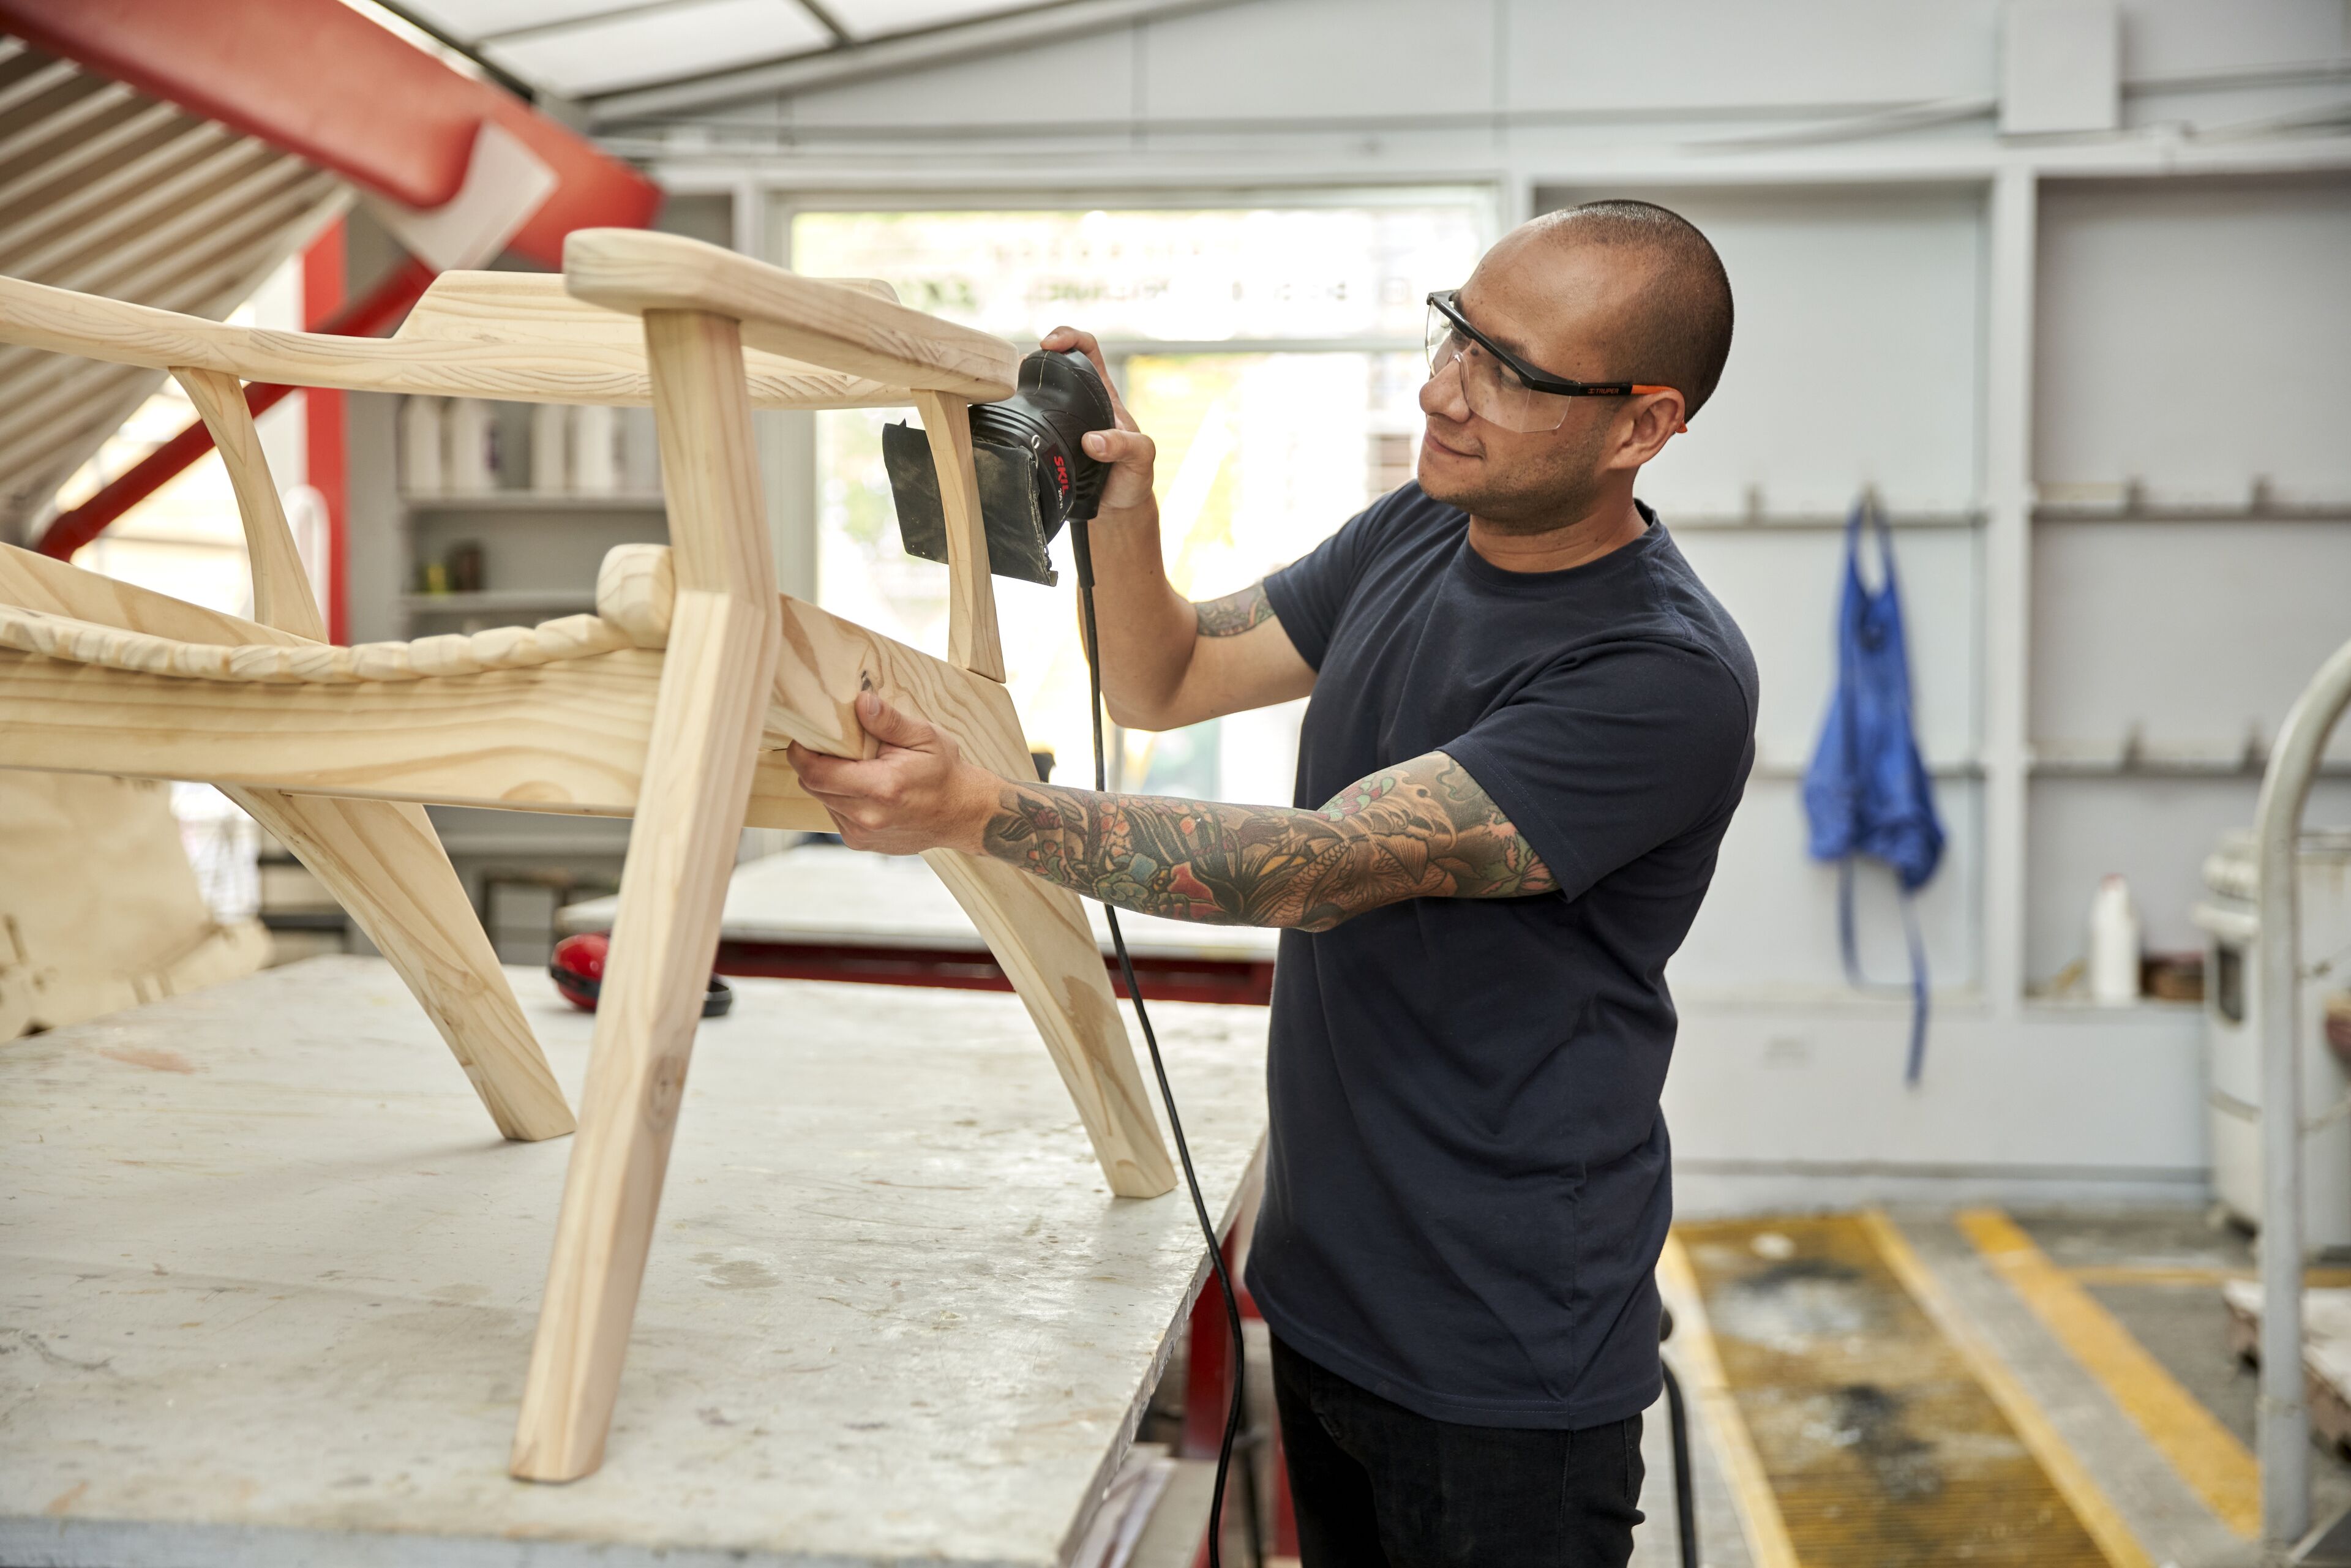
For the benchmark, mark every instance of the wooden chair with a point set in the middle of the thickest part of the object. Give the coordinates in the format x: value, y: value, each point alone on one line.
x: 671, y: 703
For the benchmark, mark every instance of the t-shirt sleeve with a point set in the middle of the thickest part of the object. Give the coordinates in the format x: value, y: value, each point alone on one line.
x: 1599, y: 760
x: 1310, y: 592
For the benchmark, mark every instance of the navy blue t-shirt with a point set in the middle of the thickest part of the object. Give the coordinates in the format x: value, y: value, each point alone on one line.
x: 1468, y: 1186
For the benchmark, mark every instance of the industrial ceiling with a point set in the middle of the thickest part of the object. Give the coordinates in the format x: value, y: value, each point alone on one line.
x: 583, y: 48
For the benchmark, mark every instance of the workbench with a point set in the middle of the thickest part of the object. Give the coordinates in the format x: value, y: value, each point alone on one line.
x: 824, y: 912
x: 269, y: 1281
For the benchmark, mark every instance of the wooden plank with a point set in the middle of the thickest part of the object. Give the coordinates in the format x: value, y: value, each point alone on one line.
x: 281, y: 584
x: 972, y: 640
x: 828, y: 660
x: 799, y: 318
x: 706, y: 729
x: 550, y: 366
x: 526, y: 310
x: 35, y: 581
x: 385, y: 863
x: 565, y: 736
x: 524, y: 307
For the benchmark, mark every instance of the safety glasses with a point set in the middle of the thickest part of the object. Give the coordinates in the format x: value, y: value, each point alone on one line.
x: 1501, y: 388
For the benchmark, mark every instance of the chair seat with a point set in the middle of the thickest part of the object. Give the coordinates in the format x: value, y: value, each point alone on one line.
x: 634, y: 594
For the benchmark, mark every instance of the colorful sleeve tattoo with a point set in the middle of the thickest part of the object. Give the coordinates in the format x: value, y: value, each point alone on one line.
x: 1421, y: 830
x: 1235, y: 613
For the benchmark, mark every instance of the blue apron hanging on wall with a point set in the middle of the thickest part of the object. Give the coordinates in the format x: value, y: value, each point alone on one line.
x: 1866, y: 792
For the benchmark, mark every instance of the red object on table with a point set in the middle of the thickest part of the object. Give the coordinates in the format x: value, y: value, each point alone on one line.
x: 1228, y: 980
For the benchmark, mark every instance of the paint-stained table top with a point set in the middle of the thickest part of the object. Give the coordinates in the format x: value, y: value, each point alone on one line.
x: 269, y: 1281
x: 825, y: 893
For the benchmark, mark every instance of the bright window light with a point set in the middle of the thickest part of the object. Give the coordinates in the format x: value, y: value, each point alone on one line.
x: 1272, y: 354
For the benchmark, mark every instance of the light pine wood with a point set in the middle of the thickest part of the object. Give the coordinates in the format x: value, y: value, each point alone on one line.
x: 723, y: 641
x: 566, y: 736
x: 523, y: 308
x: 495, y: 648
x: 525, y: 311
x: 673, y: 703
x: 34, y: 581
x: 636, y: 591
x: 564, y: 360
x: 381, y: 861
x: 800, y: 317
x: 569, y: 738
x: 1038, y: 932
x: 385, y: 865
x: 972, y: 640
x: 828, y: 660
x: 281, y: 586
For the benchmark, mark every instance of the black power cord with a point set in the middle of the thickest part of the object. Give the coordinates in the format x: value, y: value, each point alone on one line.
x: 1080, y: 548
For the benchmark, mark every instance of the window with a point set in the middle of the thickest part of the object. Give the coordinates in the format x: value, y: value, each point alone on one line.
x: 1271, y: 352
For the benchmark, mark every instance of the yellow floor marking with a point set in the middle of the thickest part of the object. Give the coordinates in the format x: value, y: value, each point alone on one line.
x: 2160, y: 1274
x: 1693, y: 1346
x: 2205, y: 1454
x: 2032, y: 1428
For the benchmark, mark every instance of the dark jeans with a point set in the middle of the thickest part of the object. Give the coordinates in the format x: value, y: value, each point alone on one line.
x: 1377, y: 1486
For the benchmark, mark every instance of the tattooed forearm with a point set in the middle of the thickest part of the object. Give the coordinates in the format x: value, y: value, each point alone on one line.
x: 1235, y: 613
x: 1421, y: 830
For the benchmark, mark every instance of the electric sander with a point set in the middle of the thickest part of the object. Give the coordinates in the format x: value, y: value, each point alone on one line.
x: 1033, y: 475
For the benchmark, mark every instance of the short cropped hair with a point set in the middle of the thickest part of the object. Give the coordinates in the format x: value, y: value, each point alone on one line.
x: 1680, y: 335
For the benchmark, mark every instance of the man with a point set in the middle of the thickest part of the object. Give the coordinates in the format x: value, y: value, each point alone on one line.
x: 1529, y: 726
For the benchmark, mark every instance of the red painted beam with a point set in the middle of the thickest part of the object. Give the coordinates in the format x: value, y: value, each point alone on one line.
x: 383, y: 306
x: 319, y: 80
x: 325, y: 458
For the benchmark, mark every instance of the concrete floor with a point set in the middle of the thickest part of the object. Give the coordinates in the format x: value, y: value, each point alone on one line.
x: 2175, y: 1312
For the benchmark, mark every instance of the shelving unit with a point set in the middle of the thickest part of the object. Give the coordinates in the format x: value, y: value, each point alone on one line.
x: 540, y: 553
x: 499, y: 601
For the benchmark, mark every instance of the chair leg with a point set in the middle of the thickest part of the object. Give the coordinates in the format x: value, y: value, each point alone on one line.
x: 690, y: 812
x: 386, y: 866
x: 1038, y: 932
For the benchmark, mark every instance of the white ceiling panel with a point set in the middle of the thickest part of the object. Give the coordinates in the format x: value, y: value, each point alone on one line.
x: 470, y: 21
x: 657, y: 44
x: 877, y: 19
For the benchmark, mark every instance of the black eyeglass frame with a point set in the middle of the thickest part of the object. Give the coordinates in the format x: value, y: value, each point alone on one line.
x: 1444, y: 302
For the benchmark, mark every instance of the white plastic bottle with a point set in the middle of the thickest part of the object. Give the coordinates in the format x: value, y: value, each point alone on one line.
x: 595, y: 466
x: 422, y: 470
x: 2114, y: 945
x: 549, y: 469
x: 471, y: 469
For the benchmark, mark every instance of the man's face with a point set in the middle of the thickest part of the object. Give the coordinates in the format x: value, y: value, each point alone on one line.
x: 1552, y: 306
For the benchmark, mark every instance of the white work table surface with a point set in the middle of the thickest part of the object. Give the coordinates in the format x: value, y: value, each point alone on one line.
x: 825, y: 893
x: 270, y: 1279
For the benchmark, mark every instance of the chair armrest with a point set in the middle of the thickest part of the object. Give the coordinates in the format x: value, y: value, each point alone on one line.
x: 784, y: 313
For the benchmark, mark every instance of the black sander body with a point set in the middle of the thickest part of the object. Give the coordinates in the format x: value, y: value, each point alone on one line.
x: 1033, y: 475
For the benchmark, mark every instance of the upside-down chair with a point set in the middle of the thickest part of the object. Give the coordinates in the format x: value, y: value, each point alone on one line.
x: 671, y: 703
